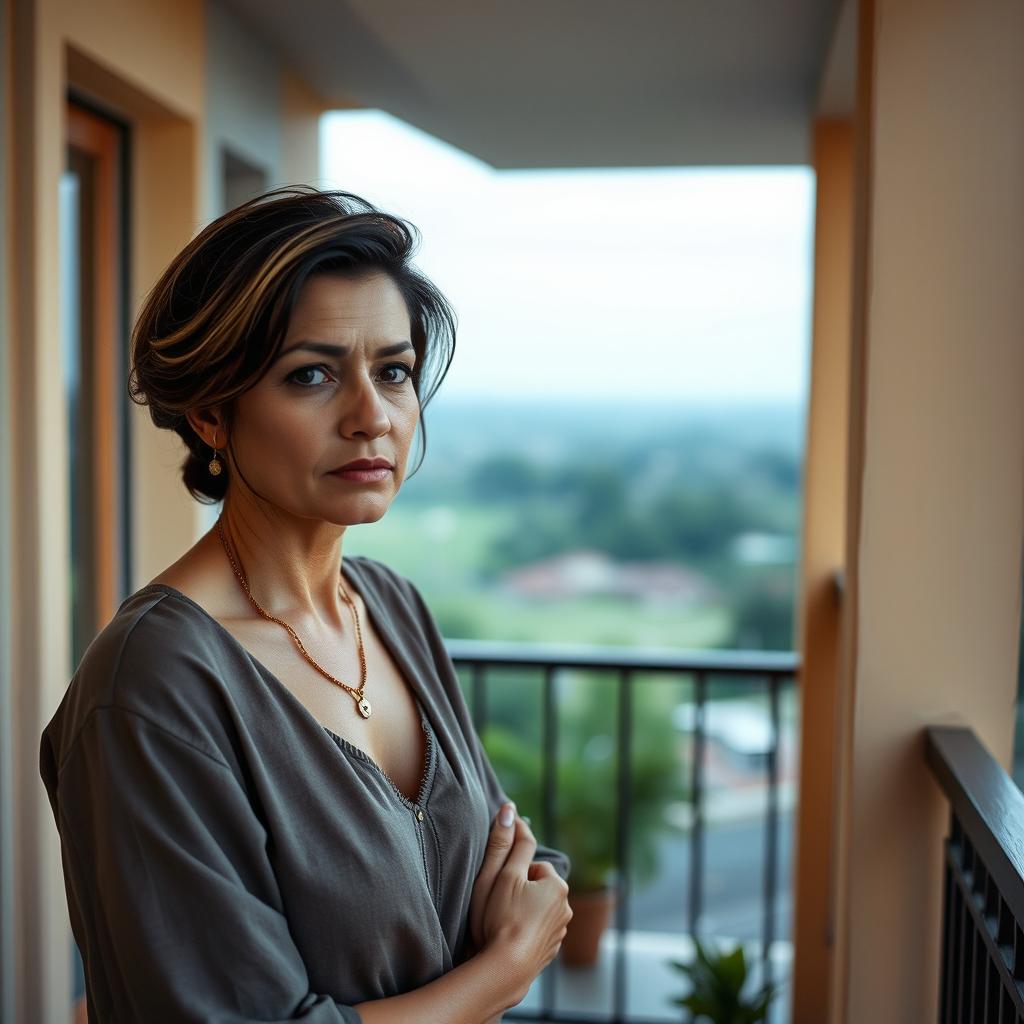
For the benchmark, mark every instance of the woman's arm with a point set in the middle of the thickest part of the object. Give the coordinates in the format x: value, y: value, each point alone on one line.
x: 172, y: 898
x: 524, y: 924
x: 476, y: 992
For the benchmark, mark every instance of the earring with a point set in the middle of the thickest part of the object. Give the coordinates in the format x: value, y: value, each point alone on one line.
x: 215, y: 466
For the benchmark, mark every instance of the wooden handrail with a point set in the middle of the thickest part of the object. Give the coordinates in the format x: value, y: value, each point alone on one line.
x: 986, y: 801
x: 982, y: 966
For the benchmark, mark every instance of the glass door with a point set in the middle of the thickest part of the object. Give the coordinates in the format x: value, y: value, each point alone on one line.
x: 93, y: 279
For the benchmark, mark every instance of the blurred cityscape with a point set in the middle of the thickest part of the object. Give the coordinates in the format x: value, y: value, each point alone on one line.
x: 637, y: 525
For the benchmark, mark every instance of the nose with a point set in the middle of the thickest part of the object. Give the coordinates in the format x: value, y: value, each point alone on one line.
x: 363, y: 413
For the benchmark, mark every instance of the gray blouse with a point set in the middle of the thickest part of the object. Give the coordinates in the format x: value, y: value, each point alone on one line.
x: 228, y: 858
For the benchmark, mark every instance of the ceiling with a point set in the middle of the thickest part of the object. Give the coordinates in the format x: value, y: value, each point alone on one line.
x: 571, y: 83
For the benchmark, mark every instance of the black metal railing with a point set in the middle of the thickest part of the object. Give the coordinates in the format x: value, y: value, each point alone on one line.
x: 706, y: 668
x: 982, y: 970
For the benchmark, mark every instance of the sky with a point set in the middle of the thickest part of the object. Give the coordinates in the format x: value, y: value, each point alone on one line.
x: 661, y: 284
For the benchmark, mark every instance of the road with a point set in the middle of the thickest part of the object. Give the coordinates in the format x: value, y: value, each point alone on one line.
x: 733, y: 882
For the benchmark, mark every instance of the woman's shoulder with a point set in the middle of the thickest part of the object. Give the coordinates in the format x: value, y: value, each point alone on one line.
x: 156, y: 633
x: 397, y: 596
x: 385, y: 581
x: 158, y: 658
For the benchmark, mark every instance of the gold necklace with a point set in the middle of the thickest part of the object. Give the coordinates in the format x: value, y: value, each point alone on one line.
x: 357, y: 695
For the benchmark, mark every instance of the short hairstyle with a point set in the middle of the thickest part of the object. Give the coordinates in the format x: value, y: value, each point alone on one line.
x: 215, y: 321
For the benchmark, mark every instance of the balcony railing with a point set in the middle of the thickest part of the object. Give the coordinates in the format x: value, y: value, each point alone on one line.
x: 708, y: 670
x: 982, y: 969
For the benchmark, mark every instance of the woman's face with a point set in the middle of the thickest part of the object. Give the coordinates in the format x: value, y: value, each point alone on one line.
x: 341, y: 390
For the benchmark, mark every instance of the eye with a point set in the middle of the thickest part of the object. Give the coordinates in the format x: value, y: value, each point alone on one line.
x: 396, y: 373
x: 292, y: 377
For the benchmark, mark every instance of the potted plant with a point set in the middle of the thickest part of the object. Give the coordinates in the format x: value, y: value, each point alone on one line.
x: 587, y: 793
x: 717, y: 981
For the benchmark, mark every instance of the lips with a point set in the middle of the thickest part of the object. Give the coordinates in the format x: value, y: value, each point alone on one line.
x: 377, y: 463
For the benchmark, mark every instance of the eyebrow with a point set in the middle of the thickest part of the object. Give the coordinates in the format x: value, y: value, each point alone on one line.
x: 326, y: 349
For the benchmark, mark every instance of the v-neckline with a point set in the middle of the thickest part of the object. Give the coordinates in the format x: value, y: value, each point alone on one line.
x: 374, y: 615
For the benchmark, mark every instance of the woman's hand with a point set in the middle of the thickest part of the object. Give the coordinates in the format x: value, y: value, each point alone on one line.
x: 499, y: 844
x: 527, y: 910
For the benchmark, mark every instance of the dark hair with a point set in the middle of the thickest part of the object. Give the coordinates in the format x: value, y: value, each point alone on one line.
x: 216, y: 319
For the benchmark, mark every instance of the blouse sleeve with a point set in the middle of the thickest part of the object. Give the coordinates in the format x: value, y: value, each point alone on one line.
x: 174, y: 901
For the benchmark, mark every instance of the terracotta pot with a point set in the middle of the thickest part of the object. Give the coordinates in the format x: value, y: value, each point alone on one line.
x: 591, y: 915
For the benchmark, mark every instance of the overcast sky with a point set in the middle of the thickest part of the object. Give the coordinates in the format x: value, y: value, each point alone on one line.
x: 682, y: 283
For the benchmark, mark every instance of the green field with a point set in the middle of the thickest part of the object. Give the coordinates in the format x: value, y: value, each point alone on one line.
x: 442, y: 547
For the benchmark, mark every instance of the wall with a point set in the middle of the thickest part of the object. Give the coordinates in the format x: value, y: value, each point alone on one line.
x: 937, y: 515
x: 301, y: 108
x: 244, y: 102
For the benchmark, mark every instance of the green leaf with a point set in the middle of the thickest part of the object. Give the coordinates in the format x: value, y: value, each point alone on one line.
x: 718, y: 979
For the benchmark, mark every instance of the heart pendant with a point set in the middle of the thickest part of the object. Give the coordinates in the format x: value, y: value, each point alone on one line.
x: 364, y: 708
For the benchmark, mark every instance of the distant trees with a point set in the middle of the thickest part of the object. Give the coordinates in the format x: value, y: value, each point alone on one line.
x: 698, y: 525
x: 685, y: 500
x: 505, y: 477
x: 763, y: 608
x: 594, y: 505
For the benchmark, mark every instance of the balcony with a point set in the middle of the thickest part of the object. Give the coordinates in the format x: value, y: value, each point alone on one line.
x: 913, y: 476
x: 631, y: 981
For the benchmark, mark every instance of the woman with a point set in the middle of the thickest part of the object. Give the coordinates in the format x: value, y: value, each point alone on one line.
x: 272, y: 801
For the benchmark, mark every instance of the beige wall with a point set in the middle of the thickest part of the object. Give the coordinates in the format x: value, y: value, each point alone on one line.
x: 300, y: 142
x: 822, y: 547
x: 243, y: 107
x: 155, y: 48
x: 939, y: 449
x: 144, y: 62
